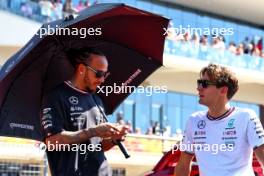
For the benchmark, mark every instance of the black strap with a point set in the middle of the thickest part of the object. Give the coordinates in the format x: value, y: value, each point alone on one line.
x: 100, y: 109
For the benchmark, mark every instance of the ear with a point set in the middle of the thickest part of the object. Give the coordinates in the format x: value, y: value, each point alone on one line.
x: 81, y: 69
x: 224, y: 90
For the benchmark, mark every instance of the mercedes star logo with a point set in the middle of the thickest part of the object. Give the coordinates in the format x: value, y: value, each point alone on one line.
x: 73, y: 100
x: 201, y: 124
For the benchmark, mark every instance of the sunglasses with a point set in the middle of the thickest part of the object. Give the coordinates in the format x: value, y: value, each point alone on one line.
x: 98, y: 73
x: 205, y: 83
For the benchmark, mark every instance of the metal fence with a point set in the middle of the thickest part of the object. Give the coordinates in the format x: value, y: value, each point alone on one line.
x: 22, y: 157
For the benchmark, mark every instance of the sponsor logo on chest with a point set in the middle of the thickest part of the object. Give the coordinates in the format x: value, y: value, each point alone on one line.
x: 230, y: 133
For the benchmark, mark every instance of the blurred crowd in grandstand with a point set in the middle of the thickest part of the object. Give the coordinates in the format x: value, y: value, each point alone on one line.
x: 49, y: 10
x: 154, y: 128
x: 45, y: 10
x: 251, y: 46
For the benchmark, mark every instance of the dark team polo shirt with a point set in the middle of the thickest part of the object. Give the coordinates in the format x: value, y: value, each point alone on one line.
x: 67, y: 108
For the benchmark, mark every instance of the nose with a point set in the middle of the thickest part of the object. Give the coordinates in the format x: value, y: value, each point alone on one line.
x: 102, y: 79
x: 199, y: 87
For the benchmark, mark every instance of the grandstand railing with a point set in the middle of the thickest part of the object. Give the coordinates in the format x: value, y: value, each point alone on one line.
x: 207, y: 53
x: 15, y: 7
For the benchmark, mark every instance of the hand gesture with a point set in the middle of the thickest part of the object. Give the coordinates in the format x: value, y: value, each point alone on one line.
x: 123, y: 130
x: 105, y: 130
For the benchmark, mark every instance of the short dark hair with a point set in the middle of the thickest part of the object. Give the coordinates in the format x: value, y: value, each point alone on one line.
x: 223, y: 77
x: 77, y: 56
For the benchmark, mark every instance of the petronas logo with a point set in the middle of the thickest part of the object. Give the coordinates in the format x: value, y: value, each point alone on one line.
x: 230, y: 123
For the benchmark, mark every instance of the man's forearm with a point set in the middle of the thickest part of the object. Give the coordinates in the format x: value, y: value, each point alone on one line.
x: 71, y: 137
x: 104, y: 130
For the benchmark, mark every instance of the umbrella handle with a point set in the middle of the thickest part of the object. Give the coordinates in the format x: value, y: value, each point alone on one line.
x: 122, y: 148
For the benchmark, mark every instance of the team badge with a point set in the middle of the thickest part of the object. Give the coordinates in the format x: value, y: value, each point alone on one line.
x: 201, y: 124
x: 73, y: 100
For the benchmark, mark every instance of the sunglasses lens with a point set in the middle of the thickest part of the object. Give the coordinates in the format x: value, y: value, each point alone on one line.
x: 100, y: 74
x: 202, y: 83
x: 205, y: 83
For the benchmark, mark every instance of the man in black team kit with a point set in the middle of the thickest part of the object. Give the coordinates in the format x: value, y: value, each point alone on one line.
x: 72, y: 116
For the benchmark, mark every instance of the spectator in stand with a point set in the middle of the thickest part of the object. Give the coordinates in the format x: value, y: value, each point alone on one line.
x: 214, y: 42
x: 195, y: 39
x: 232, y: 47
x: 58, y: 9
x: 137, y: 130
x: 46, y: 8
x: 26, y: 9
x: 249, y: 49
x: 130, y: 128
x: 253, y: 45
x: 247, y: 46
x: 156, y: 128
x: 203, y: 46
x: 149, y: 131
x: 186, y: 37
x: 255, y: 51
x: 68, y: 8
x: 195, y: 42
x: 80, y: 6
x: 204, y: 40
x: 218, y: 43
x: 260, y: 44
x: 178, y: 36
x: 240, y: 49
x: 88, y: 4
x: 170, y: 35
x: 221, y: 42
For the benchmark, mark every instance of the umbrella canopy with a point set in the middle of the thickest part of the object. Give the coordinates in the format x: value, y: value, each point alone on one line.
x: 131, y: 39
